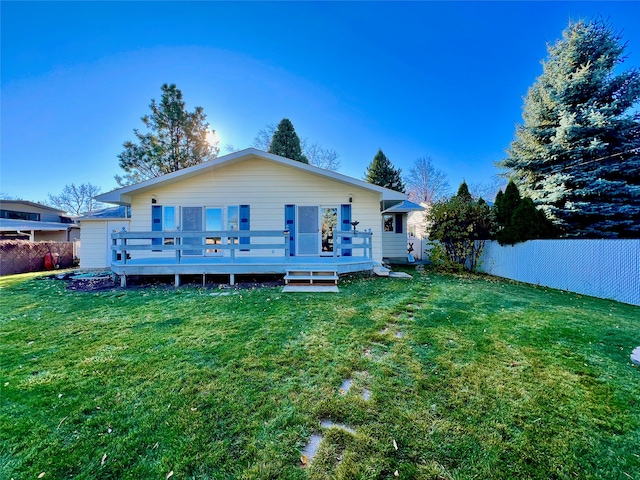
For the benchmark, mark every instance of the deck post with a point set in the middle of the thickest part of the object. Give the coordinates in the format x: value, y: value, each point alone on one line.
x: 287, y: 245
x: 114, y: 253
x: 204, y: 279
x: 177, y: 280
x: 176, y: 241
x: 123, y: 281
x: 232, y: 279
x: 124, y: 251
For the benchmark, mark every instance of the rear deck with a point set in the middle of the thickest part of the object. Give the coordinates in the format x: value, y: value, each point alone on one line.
x: 231, y: 253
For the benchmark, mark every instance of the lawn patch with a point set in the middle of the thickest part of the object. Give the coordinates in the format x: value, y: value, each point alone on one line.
x: 488, y: 379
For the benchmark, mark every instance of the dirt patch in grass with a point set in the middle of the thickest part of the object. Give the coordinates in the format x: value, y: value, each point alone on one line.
x: 91, y: 284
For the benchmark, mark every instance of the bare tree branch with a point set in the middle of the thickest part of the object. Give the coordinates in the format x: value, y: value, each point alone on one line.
x: 425, y: 183
x: 76, y: 200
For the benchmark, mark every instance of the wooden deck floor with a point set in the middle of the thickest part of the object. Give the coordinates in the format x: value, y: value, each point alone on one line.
x: 240, y: 265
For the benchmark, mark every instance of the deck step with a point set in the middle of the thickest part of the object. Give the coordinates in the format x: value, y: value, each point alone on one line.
x: 310, y: 288
x: 381, y: 271
x: 311, y: 277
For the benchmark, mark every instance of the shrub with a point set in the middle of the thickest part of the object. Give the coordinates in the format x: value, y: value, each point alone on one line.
x: 459, y: 227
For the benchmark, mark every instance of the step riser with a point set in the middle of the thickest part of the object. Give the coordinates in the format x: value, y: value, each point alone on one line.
x: 311, y: 277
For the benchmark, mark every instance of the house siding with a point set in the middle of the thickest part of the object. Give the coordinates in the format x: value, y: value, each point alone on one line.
x: 265, y: 186
x: 95, y: 241
x: 394, y: 245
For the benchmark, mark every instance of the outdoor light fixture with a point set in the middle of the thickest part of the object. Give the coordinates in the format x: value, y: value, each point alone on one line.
x: 153, y: 200
x: 355, y: 224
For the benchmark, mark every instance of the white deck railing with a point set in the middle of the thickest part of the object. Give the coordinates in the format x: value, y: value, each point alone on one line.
x: 194, y: 244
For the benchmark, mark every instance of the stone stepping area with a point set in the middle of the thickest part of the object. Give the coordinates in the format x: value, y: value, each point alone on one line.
x: 311, y: 448
x: 635, y: 356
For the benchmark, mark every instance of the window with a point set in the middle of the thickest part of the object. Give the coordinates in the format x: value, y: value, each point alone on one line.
x: 13, y: 215
x: 392, y: 223
x: 388, y: 222
x: 232, y: 217
x: 163, y: 219
x: 216, y: 220
x: 213, y: 223
x: 169, y: 223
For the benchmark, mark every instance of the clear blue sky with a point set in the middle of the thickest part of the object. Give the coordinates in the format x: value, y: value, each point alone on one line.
x: 438, y: 79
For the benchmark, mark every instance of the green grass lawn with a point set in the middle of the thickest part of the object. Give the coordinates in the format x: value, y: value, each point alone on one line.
x: 469, y: 378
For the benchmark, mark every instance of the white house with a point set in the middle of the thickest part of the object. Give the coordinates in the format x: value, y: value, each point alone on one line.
x: 249, y: 212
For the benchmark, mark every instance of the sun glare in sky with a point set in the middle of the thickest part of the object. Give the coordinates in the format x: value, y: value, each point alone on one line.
x: 213, y: 138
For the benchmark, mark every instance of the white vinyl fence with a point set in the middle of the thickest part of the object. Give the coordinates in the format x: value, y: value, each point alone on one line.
x: 599, y: 268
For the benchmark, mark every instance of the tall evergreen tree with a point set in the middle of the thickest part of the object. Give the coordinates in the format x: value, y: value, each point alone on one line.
x: 286, y: 143
x: 518, y: 219
x: 577, y: 154
x: 177, y: 139
x: 505, y: 204
x: 382, y: 172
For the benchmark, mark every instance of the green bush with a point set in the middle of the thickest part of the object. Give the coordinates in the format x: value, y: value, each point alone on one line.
x: 459, y: 228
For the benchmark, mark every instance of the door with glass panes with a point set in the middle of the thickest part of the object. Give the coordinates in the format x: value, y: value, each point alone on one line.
x: 316, y: 225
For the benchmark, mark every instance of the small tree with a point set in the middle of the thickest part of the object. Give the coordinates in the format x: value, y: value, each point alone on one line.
x: 177, y: 139
x: 425, y: 183
x: 459, y: 229
x: 76, y: 200
x: 381, y: 172
x: 518, y: 218
x: 286, y: 143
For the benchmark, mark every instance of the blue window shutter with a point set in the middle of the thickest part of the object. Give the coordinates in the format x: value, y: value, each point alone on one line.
x: 290, y: 223
x: 156, y: 223
x: 244, y: 224
x: 345, y: 215
x: 399, y: 223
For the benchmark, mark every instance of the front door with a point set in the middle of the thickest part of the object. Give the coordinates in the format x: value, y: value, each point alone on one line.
x: 329, y: 218
x: 192, y: 222
x: 315, y: 229
x: 308, y: 231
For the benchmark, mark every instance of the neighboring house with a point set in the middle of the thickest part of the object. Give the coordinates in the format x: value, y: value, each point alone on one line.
x: 250, y: 212
x: 24, y: 220
x: 395, y: 230
x: 417, y: 230
x: 95, y: 235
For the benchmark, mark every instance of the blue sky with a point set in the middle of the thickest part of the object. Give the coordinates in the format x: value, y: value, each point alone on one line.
x: 438, y: 79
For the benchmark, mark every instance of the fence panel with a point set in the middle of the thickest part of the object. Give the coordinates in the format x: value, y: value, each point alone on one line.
x: 600, y: 268
x: 20, y: 256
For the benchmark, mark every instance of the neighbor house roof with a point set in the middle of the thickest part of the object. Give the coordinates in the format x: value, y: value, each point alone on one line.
x: 119, y: 212
x: 7, y: 225
x: 31, y: 204
x: 123, y: 196
x: 404, y: 207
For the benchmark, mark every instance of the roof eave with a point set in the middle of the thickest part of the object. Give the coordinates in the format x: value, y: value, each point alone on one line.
x: 123, y: 196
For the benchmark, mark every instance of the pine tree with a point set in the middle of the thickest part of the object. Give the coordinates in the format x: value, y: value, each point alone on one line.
x: 286, y: 143
x: 463, y: 192
x: 177, y: 139
x: 518, y: 219
x: 577, y: 154
x: 505, y: 204
x: 382, y: 172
